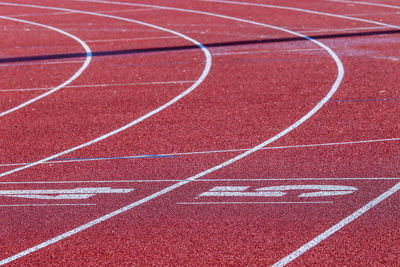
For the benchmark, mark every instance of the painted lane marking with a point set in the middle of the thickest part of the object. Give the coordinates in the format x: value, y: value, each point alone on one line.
x: 44, y: 205
x: 237, y: 191
x: 131, y: 39
x: 304, y: 11
x: 254, y: 202
x: 266, y: 51
x: 41, y: 63
x: 277, y: 191
x: 365, y: 3
x: 55, y: 89
x: 210, y: 180
x: 209, y: 152
x: 359, y: 212
x: 345, y: 29
x: 76, y: 193
x: 326, y: 190
x: 68, y: 12
x: 202, y: 77
x: 297, y: 253
x: 98, y: 85
x: 222, y: 165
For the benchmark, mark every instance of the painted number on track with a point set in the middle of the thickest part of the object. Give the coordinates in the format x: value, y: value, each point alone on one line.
x: 58, y: 194
x: 279, y: 191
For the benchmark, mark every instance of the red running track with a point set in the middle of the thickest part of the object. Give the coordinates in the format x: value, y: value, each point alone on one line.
x: 188, y: 184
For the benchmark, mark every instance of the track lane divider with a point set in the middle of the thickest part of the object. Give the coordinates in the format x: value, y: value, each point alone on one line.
x: 55, y: 89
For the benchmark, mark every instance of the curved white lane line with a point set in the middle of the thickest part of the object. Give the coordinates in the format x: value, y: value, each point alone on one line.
x: 303, y: 249
x: 169, y: 103
x: 188, y: 180
x: 76, y: 75
x: 365, y: 3
x: 305, y: 11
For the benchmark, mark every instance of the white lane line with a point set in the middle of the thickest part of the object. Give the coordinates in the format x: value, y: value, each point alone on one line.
x: 345, y: 29
x: 41, y: 63
x: 55, y: 89
x: 365, y: 3
x: 202, y: 77
x: 96, y: 85
x: 211, y: 180
x: 367, y: 207
x: 292, y: 256
x: 44, y: 205
x: 266, y: 51
x: 131, y: 39
x: 217, y: 167
x: 305, y: 11
x: 103, y: 181
x: 212, y: 151
x: 265, y: 202
x: 67, y: 13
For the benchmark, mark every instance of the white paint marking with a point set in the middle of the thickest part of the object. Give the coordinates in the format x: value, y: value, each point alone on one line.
x: 213, y: 151
x: 58, y: 197
x: 131, y: 39
x: 76, y: 193
x: 98, y: 85
x: 241, y: 194
x: 266, y: 51
x: 325, y: 193
x: 365, y: 3
x: 42, y: 63
x: 230, y: 188
x: 292, y: 256
x: 210, y: 180
x: 345, y: 29
x: 254, y: 202
x: 226, y: 163
x: 307, y: 187
x: 305, y: 11
x: 276, y: 191
x: 55, y: 89
x: 88, y: 190
x: 155, y: 111
x: 44, y: 205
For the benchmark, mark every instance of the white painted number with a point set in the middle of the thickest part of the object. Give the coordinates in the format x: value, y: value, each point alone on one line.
x: 278, y: 191
x: 76, y: 193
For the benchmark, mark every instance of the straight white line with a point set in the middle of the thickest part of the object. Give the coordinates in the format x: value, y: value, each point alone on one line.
x: 55, y: 89
x: 292, y: 256
x: 142, y: 118
x: 217, y: 167
x: 271, y: 202
x: 97, y: 85
x: 216, y: 151
x: 41, y: 63
x: 266, y: 51
x: 131, y: 39
x: 211, y: 180
x: 44, y: 205
x: 345, y: 29
x: 365, y: 3
x: 103, y: 181
x: 297, y: 179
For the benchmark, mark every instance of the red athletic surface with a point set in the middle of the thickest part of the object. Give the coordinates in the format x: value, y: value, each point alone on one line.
x: 253, y: 92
